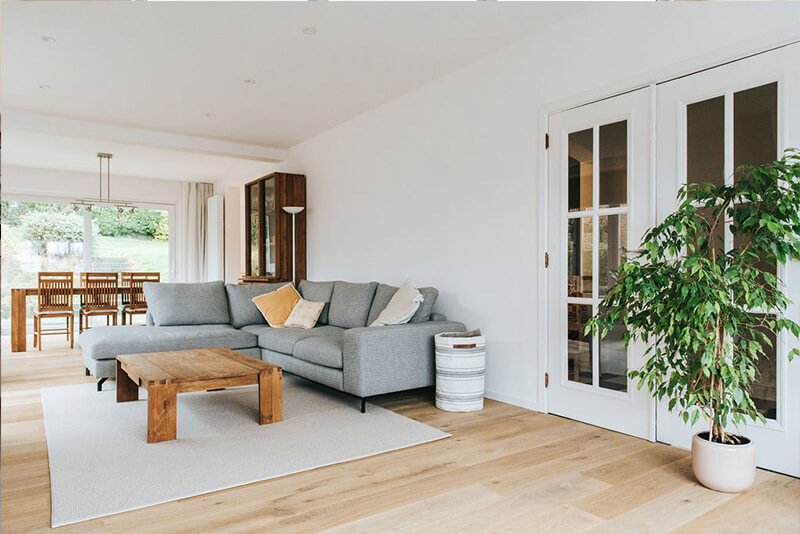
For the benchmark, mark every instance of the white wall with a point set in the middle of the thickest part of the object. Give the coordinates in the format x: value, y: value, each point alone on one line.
x: 443, y: 185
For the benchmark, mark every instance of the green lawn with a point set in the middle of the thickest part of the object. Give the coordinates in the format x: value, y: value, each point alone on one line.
x: 142, y: 254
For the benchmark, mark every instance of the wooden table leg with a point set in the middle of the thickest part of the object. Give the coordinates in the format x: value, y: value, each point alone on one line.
x: 162, y: 413
x: 19, y: 327
x: 127, y: 389
x: 270, y: 396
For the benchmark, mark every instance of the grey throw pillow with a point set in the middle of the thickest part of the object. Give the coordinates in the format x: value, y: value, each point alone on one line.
x: 173, y: 304
x: 350, y: 304
x: 318, y: 292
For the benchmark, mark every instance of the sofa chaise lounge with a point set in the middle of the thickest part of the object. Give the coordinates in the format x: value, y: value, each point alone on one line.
x: 340, y: 352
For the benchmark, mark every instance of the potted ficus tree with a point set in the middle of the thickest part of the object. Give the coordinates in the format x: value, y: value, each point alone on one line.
x: 707, y: 312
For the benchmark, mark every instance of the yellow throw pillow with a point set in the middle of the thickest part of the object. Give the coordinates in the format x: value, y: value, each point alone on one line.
x: 305, y: 314
x: 276, y: 306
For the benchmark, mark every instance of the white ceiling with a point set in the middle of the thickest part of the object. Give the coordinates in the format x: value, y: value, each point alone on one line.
x: 163, y: 66
x: 32, y: 149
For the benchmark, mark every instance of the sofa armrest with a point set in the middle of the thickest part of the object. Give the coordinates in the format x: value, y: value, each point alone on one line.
x: 383, y: 359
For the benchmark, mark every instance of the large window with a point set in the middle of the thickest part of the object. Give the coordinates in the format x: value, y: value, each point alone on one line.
x: 52, y: 236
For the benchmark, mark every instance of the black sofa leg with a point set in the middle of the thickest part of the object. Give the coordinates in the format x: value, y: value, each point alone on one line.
x: 87, y: 372
x: 363, y: 405
x: 100, y: 383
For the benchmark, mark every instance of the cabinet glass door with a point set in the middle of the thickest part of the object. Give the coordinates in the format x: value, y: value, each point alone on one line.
x: 269, y: 228
x: 253, y: 230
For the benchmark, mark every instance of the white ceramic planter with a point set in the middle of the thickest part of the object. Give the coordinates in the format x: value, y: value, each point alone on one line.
x: 722, y: 467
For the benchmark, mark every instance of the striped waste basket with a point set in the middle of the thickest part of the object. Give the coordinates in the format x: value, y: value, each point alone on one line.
x: 460, y: 370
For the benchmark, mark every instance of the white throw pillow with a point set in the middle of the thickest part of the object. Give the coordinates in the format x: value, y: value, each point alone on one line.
x: 304, y: 314
x: 401, y: 308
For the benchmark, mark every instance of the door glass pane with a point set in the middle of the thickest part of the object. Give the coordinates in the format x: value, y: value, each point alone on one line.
x: 269, y: 225
x: 705, y: 141
x: 755, y: 125
x: 740, y: 241
x: 764, y: 392
x: 579, y: 257
x: 580, y: 170
x: 130, y: 241
x: 36, y: 237
x: 613, y: 241
x: 579, y: 348
x: 715, y: 239
x: 252, y: 217
x: 614, y: 360
x: 614, y: 165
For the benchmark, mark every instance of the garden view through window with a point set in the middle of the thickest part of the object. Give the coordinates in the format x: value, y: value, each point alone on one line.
x: 39, y: 236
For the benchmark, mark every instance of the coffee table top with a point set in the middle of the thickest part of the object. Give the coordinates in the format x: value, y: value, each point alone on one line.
x: 193, y: 365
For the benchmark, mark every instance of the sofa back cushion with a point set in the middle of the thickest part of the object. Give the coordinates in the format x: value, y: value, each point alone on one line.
x: 350, y: 304
x: 384, y: 294
x: 174, y: 304
x: 240, y: 302
x: 318, y: 292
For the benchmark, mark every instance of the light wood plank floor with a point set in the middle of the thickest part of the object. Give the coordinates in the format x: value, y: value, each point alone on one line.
x: 505, y: 469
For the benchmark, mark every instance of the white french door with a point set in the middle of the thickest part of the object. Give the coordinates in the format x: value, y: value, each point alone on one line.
x: 599, y: 206
x: 709, y: 123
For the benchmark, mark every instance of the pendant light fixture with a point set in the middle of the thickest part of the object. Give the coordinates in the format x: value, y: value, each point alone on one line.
x: 104, y: 200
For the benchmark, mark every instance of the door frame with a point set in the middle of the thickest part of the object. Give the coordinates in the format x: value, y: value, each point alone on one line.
x: 650, y: 79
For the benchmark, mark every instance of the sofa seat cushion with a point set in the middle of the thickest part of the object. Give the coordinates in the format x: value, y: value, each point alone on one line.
x: 283, y: 339
x: 107, y: 342
x: 322, y: 350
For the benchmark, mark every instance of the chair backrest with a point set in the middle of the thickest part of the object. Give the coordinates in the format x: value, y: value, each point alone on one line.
x: 101, y: 290
x: 55, y: 291
x: 137, y: 301
x: 125, y: 284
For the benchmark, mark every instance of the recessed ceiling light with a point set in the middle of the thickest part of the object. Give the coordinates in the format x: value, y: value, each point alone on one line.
x: 249, y: 82
x: 48, y: 39
x: 211, y: 114
x: 309, y: 30
x: 44, y: 86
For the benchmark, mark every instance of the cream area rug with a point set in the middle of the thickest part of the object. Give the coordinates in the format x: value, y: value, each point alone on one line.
x: 101, y: 463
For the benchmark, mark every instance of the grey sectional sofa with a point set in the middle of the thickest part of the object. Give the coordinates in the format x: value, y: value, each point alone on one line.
x: 341, y: 352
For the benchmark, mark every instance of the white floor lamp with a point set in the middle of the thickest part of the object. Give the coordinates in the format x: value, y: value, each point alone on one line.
x: 294, y: 210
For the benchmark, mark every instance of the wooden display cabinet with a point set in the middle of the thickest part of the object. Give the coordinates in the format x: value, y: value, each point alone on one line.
x: 268, y: 229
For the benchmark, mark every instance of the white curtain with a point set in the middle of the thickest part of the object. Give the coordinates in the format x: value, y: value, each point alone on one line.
x: 192, y: 246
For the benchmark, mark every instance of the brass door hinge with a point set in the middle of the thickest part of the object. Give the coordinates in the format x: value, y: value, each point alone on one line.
x: 546, y: 141
x: 546, y: 260
x: 546, y: 379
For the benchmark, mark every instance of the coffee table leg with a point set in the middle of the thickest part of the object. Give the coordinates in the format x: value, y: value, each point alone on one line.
x: 270, y: 396
x: 162, y: 413
x: 127, y: 389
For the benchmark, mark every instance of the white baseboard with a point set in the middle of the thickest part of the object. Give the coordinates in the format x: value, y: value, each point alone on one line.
x: 529, y: 404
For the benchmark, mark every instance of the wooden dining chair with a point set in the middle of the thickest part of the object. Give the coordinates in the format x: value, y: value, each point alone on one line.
x: 100, y: 298
x: 137, y: 304
x: 124, y: 290
x: 55, y: 301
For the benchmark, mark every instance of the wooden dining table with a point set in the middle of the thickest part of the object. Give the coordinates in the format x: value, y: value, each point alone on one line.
x: 19, y: 319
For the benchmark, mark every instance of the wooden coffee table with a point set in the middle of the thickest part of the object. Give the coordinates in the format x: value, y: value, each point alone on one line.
x: 165, y: 374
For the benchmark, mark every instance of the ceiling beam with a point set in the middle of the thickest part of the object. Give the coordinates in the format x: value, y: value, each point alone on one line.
x: 49, y: 124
